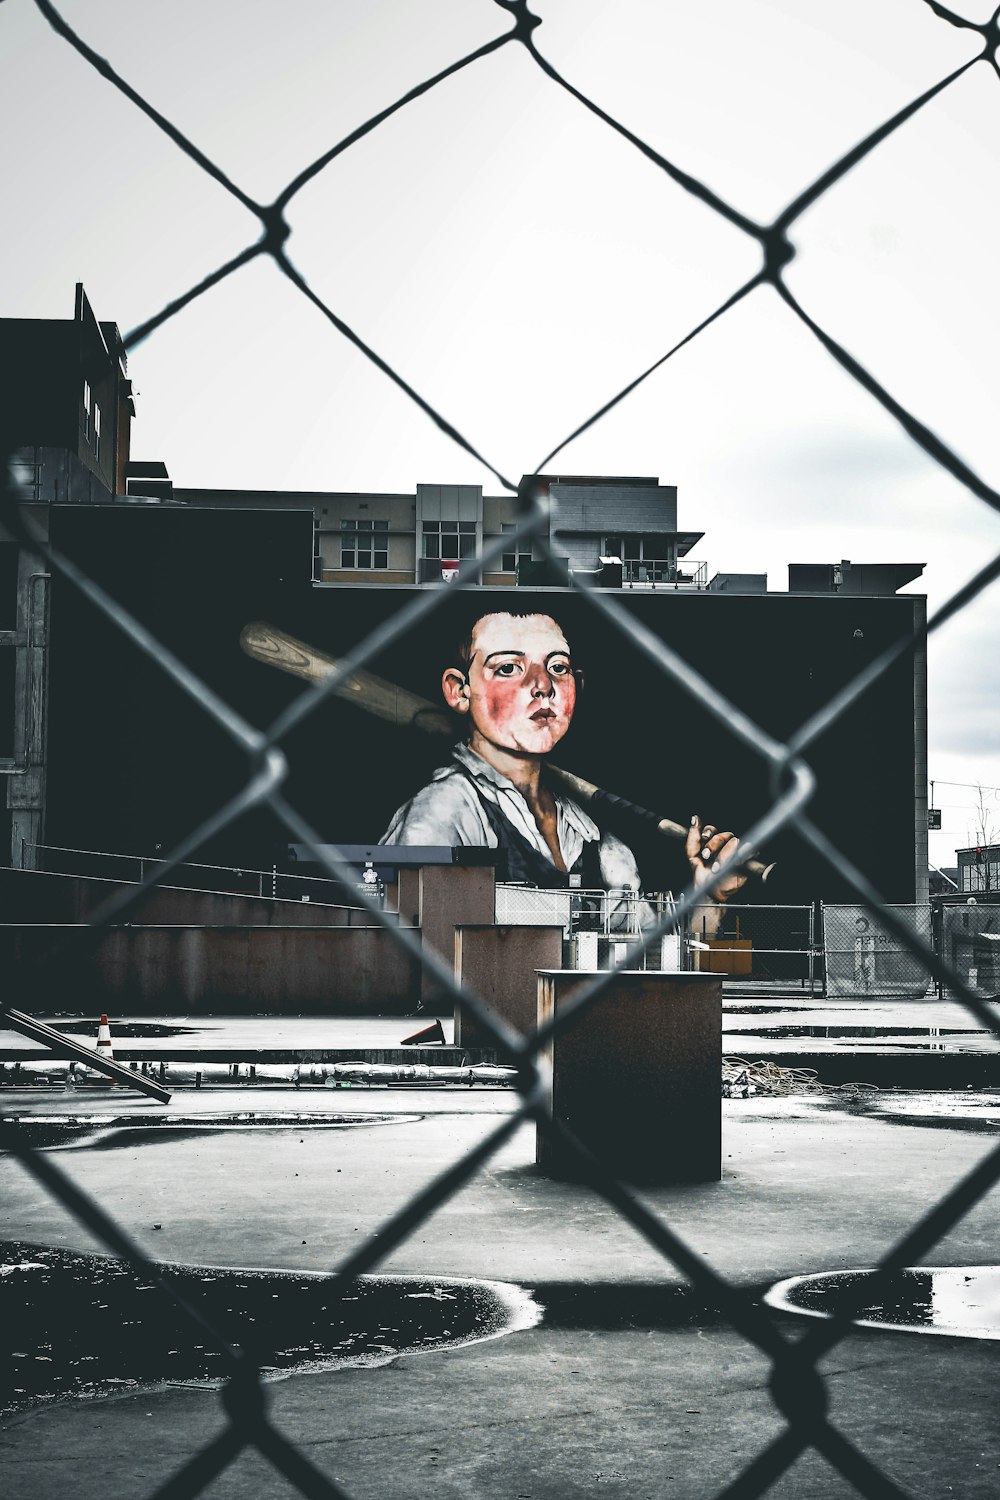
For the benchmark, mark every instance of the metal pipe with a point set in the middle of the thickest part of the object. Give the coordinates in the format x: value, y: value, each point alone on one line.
x: 63, y: 1046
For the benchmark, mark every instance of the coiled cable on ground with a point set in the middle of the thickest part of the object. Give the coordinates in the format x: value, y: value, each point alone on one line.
x: 748, y: 1080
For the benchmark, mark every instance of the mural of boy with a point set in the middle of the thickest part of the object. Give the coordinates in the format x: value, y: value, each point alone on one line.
x: 515, y: 683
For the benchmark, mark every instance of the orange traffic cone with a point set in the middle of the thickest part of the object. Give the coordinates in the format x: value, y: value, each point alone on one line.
x: 430, y: 1034
x: 104, y: 1044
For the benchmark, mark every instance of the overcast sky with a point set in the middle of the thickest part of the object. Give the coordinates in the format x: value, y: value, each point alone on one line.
x: 518, y: 263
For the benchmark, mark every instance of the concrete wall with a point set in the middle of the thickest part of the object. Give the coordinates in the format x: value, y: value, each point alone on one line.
x: 206, y: 950
x: 34, y: 896
x: 193, y: 970
x: 449, y: 895
x: 617, y: 506
x: 499, y: 964
x: 408, y: 895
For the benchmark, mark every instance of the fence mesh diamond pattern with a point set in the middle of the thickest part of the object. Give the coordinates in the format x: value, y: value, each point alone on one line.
x: 797, y: 1387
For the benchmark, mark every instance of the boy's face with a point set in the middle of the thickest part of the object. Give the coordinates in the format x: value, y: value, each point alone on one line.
x: 520, y: 690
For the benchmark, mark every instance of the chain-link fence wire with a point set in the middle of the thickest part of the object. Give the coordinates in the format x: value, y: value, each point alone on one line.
x: 969, y: 942
x: 864, y: 957
x: 760, y: 943
x: 611, y: 913
x: 796, y: 1386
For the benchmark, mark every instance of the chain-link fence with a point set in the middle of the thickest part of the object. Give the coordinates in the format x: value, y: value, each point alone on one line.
x: 601, y: 929
x: 969, y: 943
x: 526, y: 906
x: 866, y: 956
x: 773, y: 945
x: 623, y: 912
x: 797, y: 1387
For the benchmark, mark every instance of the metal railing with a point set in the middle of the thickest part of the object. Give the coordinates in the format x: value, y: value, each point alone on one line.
x: 664, y: 573
x: 146, y: 870
x: 623, y: 912
x: 796, y: 1385
x: 772, y: 945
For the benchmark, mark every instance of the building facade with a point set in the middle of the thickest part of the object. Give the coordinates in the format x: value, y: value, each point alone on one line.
x: 65, y: 429
x: 66, y: 424
x: 979, y: 870
x: 381, y: 538
x: 66, y: 389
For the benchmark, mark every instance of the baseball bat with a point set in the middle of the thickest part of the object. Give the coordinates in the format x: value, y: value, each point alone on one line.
x: 408, y: 710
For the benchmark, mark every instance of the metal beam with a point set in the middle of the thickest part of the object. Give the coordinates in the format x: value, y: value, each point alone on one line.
x: 63, y: 1046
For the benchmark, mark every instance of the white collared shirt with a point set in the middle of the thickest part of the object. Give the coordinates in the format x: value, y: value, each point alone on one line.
x: 448, y: 811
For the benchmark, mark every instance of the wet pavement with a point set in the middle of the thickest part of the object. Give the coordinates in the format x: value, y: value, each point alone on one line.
x: 87, y: 1325
x: 811, y: 1182
x: 54, y: 1130
x: 628, y: 1386
x: 771, y: 1018
x: 926, y: 1043
x: 961, y: 1302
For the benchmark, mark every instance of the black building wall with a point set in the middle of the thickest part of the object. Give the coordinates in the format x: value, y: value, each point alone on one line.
x: 135, y: 763
x: 44, y: 363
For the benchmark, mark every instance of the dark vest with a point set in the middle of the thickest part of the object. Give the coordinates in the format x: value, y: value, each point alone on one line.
x: 527, y: 866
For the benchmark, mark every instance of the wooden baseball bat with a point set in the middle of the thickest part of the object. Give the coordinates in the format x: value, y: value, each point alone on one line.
x: 409, y: 711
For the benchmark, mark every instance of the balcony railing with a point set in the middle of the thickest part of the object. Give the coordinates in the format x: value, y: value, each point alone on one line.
x: 654, y: 573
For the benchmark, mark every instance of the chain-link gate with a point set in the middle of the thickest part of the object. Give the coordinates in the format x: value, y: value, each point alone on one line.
x: 864, y: 956
x: 969, y: 943
x: 796, y: 1386
x: 773, y: 945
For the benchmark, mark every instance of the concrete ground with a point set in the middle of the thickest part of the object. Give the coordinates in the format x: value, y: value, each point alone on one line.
x: 926, y: 1043
x: 604, y: 1397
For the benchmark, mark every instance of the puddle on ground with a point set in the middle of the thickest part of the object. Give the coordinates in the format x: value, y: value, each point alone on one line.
x: 962, y: 1301
x: 88, y: 1325
x: 909, y: 1033
x: 765, y: 1007
x: 957, y: 1110
x: 972, y: 1042
x: 101, y: 1132
x: 125, y: 1029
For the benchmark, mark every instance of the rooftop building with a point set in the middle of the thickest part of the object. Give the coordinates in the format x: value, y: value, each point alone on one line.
x: 602, y: 524
x: 66, y: 389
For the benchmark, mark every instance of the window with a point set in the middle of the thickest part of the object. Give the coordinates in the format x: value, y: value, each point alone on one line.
x: 628, y: 548
x: 86, y: 409
x: 511, y: 561
x: 980, y: 875
x: 647, y: 559
x: 364, y: 544
x: 449, y: 540
x: 650, y: 547
x: 97, y: 430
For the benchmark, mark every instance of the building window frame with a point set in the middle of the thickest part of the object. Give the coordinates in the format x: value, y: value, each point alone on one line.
x: 448, y: 541
x: 645, y: 556
x: 511, y: 561
x: 364, y: 545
